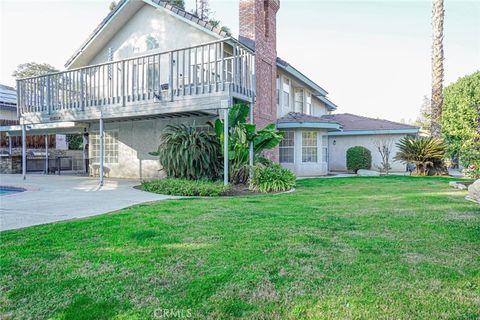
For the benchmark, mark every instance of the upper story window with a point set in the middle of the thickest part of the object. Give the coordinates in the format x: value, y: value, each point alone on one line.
x: 151, y: 43
x: 286, y: 93
x: 308, y: 104
x: 287, y: 147
x: 299, y: 95
x: 278, y: 90
x: 309, y: 146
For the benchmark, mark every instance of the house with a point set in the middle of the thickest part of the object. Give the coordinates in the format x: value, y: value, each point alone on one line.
x: 149, y: 64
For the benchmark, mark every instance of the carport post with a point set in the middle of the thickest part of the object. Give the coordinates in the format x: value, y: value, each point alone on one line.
x: 46, y: 154
x: 225, y: 146
x: 24, y: 151
x: 101, y: 151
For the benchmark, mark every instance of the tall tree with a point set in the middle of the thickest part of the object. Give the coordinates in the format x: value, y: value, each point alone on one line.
x: 33, y: 69
x: 438, y: 15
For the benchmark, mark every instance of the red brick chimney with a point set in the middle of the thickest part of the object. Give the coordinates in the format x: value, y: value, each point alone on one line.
x: 258, y: 28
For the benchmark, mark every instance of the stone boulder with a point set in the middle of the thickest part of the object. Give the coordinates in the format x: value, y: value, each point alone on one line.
x: 457, y: 185
x: 368, y: 173
x: 474, y: 191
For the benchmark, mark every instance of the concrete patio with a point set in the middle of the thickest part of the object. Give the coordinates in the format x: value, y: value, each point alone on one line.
x: 56, y: 198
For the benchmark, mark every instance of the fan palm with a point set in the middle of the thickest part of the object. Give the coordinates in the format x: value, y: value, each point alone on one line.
x: 426, y: 153
x: 188, y: 153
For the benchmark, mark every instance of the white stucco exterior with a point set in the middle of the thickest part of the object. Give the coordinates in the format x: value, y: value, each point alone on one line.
x: 308, y: 169
x: 168, y: 32
x: 135, y: 140
x: 338, y: 146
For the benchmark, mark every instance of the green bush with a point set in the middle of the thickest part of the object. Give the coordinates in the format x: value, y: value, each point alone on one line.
x: 359, y: 158
x: 272, y: 178
x: 184, y: 187
x: 188, y: 153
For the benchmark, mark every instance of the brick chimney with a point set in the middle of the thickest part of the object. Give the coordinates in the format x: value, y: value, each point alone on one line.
x: 258, y: 28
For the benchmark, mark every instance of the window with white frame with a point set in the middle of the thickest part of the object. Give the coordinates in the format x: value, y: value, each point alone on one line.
x: 299, y: 100
x: 287, y: 148
x: 308, y: 105
x: 110, y: 146
x: 286, y: 93
x: 309, y: 146
x: 278, y: 90
x: 325, y: 149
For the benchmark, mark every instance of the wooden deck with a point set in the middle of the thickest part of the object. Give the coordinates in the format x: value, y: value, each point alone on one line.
x: 200, y: 78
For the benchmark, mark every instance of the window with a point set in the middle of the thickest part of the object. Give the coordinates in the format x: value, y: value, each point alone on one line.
x: 299, y: 100
x: 309, y: 146
x: 286, y: 93
x: 151, y: 43
x: 278, y: 90
x: 325, y: 149
x: 287, y: 147
x: 308, y: 106
x: 110, y: 146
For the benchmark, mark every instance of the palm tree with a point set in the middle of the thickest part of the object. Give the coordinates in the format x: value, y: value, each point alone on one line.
x: 438, y: 15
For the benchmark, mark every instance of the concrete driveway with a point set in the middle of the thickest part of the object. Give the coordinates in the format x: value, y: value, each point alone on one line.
x: 56, y: 198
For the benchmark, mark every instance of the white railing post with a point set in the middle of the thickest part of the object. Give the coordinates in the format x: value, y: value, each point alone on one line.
x: 49, y: 95
x: 122, y: 88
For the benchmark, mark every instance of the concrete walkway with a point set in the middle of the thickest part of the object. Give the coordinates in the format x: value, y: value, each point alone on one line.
x: 56, y: 198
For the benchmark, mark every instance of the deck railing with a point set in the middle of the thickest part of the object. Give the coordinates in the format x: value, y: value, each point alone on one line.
x: 203, y: 69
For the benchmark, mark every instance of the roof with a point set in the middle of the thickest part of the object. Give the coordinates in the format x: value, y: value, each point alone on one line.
x: 8, y: 97
x: 178, y: 11
x: 302, y: 120
x: 355, y: 124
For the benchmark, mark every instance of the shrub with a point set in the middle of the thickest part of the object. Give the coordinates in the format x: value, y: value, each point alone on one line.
x: 272, y: 178
x: 470, y: 158
x: 184, y: 187
x: 426, y: 153
x: 358, y: 158
x: 188, y: 153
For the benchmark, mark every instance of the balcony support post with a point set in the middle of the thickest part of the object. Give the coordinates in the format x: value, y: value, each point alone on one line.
x: 46, y: 154
x: 24, y: 151
x: 225, y: 146
x: 250, y: 147
x: 102, y: 150
x: 9, y: 145
x: 170, y: 80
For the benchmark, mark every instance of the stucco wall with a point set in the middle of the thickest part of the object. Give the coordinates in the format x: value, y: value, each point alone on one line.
x: 135, y: 140
x: 170, y: 32
x: 338, y: 151
x: 308, y: 169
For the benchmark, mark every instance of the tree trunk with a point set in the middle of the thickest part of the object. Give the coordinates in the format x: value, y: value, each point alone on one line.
x: 438, y: 15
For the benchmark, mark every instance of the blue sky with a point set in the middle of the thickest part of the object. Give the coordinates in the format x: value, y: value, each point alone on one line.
x: 373, y: 57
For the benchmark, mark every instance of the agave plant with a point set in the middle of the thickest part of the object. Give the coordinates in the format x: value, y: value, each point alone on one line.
x: 188, y: 153
x: 241, y: 134
x: 426, y: 153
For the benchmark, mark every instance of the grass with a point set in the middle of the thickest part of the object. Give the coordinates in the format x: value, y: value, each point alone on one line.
x: 352, y: 248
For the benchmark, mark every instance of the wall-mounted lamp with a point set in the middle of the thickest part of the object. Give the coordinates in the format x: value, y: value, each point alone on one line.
x: 334, y: 142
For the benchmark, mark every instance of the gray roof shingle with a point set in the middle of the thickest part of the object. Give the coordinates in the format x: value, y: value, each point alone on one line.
x: 352, y: 122
x: 298, y: 117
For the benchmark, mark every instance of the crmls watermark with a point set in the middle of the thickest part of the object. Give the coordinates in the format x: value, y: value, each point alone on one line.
x: 172, y: 313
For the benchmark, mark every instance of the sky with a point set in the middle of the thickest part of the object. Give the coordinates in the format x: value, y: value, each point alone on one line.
x: 373, y: 57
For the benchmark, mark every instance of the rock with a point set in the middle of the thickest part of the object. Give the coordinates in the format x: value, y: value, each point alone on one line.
x: 368, y: 173
x: 457, y: 185
x: 474, y: 191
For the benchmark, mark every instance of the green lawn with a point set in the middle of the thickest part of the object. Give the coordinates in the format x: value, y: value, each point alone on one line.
x: 347, y: 248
